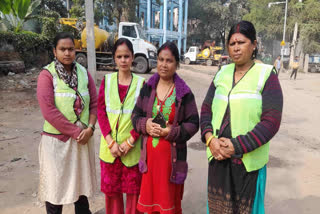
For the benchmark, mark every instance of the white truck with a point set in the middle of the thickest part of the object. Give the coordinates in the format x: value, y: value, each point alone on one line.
x: 211, y: 55
x: 144, y: 52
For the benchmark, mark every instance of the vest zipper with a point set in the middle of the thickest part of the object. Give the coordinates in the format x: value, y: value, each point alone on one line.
x: 234, y: 84
x: 122, y: 104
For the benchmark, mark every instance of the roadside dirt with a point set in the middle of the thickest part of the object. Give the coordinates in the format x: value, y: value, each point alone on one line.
x: 293, y: 171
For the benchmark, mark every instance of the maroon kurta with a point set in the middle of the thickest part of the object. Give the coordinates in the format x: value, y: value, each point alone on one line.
x: 116, y: 177
x: 45, y: 94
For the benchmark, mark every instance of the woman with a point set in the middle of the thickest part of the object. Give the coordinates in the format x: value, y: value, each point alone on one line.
x: 239, y: 116
x: 167, y: 117
x: 120, y: 144
x: 68, y: 101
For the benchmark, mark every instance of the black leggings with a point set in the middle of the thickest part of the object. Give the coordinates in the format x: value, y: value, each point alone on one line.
x: 294, y: 71
x: 80, y: 207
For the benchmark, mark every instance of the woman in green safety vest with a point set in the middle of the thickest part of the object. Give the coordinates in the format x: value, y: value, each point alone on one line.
x: 120, y: 144
x: 67, y: 97
x: 240, y: 114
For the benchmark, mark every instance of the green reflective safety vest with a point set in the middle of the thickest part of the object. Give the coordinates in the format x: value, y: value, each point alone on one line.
x: 120, y: 113
x: 245, y: 103
x: 64, y: 97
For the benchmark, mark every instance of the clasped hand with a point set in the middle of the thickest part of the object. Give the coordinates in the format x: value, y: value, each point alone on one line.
x: 155, y: 130
x: 221, y: 148
x: 120, y: 150
x: 84, y: 136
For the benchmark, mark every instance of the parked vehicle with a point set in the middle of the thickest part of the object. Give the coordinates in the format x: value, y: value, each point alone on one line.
x: 144, y: 51
x: 314, y: 63
x: 209, y: 54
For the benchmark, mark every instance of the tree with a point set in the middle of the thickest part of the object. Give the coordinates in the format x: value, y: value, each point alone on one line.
x: 54, y: 6
x: 306, y: 14
x: 210, y: 20
x: 77, y: 9
x: 16, y: 12
x: 120, y: 10
x: 310, y: 26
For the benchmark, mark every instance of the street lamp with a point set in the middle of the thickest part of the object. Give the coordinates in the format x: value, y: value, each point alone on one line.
x: 284, y: 25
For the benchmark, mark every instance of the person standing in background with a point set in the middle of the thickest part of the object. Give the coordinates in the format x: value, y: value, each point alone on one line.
x: 295, y: 66
x: 277, y: 64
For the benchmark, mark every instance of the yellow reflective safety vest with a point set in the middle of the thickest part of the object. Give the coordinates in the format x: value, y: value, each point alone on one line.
x: 245, y: 103
x: 64, y: 97
x: 120, y: 113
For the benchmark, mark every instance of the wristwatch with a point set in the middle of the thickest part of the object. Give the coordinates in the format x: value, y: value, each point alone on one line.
x: 92, y: 127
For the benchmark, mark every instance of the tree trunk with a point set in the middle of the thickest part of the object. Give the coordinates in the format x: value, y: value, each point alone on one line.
x: 306, y: 63
x: 301, y: 61
x: 293, y: 44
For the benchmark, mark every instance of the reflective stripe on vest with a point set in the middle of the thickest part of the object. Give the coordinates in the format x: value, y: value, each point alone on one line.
x: 245, y: 102
x: 120, y: 113
x: 64, y: 97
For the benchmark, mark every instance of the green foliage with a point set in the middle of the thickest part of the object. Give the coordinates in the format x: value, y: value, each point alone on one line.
x: 5, y: 6
x: 16, y: 12
x: 27, y: 44
x: 77, y: 10
x: 269, y: 21
x: 210, y: 20
x: 310, y: 26
x: 118, y: 10
x: 56, y: 6
x: 49, y: 27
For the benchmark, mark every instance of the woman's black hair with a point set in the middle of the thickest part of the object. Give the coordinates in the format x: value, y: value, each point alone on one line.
x: 62, y: 35
x: 120, y: 42
x: 173, y: 48
x: 247, y: 29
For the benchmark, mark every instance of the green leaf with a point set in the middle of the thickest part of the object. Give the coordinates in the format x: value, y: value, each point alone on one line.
x: 20, y: 7
x: 34, y: 4
x: 5, y: 6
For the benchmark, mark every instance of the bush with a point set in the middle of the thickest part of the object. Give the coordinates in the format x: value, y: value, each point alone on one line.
x: 32, y: 47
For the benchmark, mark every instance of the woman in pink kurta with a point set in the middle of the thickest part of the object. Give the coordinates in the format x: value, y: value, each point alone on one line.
x: 116, y: 178
x: 67, y: 160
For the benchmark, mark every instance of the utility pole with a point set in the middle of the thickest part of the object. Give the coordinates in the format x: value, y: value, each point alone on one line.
x: 91, y: 52
x: 68, y: 7
x: 284, y: 29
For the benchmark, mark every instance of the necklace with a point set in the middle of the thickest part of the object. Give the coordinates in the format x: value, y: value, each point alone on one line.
x: 164, y: 99
x: 243, y: 72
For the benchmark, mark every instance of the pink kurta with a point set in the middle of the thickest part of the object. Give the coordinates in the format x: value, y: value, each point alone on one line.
x: 116, y: 177
x: 66, y: 168
x: 45, y: 95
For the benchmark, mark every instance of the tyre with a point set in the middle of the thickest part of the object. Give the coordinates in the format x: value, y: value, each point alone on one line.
x: 313, y: 70
x: 187, y: 61
x: 141, y: 65
x: 209, y: 62
x: 81, y: 58
x: 12, y: 66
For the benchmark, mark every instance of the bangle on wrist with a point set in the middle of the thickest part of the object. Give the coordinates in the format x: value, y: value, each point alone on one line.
x: 129, y: 144
x: 92, y: 127
x: 209, y: 140
x: 111, y: 144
